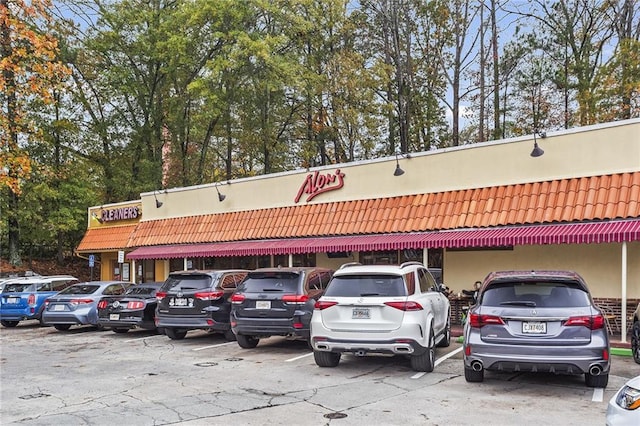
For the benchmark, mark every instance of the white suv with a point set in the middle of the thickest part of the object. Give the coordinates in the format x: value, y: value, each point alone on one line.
x: 381, y: 309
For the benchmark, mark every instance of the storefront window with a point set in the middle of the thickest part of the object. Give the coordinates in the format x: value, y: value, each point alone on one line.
x: 393, y: 257
x: 176, y: 264
x: 389, y: 257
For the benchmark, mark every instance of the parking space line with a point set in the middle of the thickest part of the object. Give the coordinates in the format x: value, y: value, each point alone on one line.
x: 213, y: 346
x: 142, y: 338
x: 438, y: 361
x: 598, y: 394
x: 298, y: 357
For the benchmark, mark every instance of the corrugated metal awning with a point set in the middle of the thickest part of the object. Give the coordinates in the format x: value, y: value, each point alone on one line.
x: 575, y: 233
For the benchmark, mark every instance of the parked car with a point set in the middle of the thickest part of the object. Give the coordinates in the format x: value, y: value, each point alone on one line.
x: 624, y: 407
x: 23, y: 298
x: 136, y: 308
x: 276, y: 302
x: 536, y: 321
x: 635, y: 335
x: 381, y: 309
x: 78, y: 304
x: 197, y: 300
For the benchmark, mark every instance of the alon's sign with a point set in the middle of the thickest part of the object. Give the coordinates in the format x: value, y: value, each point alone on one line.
x: 317, y: 183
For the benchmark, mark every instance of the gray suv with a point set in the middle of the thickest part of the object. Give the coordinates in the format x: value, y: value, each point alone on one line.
x: 536, y: 321
x: 276, y: 302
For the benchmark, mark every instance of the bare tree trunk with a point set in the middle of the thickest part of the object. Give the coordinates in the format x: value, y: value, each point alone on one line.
x: 12, y: 138
x: 483, y: 63
x: 497, y: 130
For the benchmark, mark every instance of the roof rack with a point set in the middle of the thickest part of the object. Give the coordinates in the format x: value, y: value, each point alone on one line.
x: 412, y: 263
x: 348, y: 264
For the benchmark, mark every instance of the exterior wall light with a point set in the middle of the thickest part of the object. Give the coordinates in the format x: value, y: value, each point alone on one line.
x: 158, y: 202
x: 96, y: 217
x: 221, y: 197
x: 398, y: 171
x: 537, y: 151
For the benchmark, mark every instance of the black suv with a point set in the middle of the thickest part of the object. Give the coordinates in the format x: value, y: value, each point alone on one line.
x: 197, y: 300
x: 276, y: 302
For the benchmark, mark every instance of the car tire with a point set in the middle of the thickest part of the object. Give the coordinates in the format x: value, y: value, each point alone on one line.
x: 9, y: 324
x: 62, y: 327
x: 230, y: 335
x: 473, y: 376
x: 446, y: 340
x: 120, y: 330
x: 247, y: 342
x: 599, y: 381
x: 635, y: 341
x: 175, y: 334
x: 426, y: 360
x: 326, y: 359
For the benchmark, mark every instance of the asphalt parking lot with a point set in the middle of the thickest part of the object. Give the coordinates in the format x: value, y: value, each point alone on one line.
x: 96, y: 377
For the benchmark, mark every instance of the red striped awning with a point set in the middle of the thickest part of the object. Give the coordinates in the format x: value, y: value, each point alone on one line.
x: 575, y: 233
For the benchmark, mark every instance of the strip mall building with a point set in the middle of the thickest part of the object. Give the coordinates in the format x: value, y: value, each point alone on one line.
x: 469, y: 210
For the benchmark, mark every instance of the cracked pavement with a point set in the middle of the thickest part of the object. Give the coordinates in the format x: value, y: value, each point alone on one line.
x: 87, y: 376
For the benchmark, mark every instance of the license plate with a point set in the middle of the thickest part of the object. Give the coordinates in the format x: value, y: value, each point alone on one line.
x: 534, y: 327
x: 182, y: 302
x: 114, y: 317
x: 360, y: 313
x: 13, y: 300
x: 58, y: 307
x: 262, y: 304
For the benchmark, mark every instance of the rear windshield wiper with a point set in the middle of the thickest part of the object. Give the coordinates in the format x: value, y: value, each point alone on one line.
x: 519, y: 303
x: 273, y: 289
x: 369, y: 294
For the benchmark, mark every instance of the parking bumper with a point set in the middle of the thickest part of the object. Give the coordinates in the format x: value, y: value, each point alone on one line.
x: 396, y: 346
x: 191, y: 323
x: 573, y: 360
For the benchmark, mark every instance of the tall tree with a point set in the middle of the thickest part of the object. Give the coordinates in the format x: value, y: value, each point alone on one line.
x: 30, y: 72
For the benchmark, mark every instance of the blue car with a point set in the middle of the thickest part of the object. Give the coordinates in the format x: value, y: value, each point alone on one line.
x: 23, y: 298
x: 78, y: 304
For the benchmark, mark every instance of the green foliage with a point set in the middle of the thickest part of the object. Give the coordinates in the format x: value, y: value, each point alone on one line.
x: 168, y: 93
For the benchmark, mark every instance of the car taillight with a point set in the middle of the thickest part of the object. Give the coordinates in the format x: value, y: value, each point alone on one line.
x: 46, y: 302
x: 323, y: 304
x: 31, y: 300
x: 295, y: 298
x: 102, y: 304
x: 209, y: 295
x: 160, y: 295
x: 593, y: 322
x: 77, y: 302
x: 237, y: 298
x: 405, y: 306
x: 135, y: 305
x: 479, y: 321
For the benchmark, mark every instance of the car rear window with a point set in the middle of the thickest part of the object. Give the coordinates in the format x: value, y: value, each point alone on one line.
x: 366, y: 286
x: 538, y: 294
x: 18, y: 288
x: 258, y: 282
x: 80, y: 289
x: 186, y: 282
x: 142, y: 291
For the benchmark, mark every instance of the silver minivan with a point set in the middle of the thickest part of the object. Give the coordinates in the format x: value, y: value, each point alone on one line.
x: 536, y: 321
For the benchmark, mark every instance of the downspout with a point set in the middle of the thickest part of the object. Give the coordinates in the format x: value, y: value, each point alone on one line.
x: 623, y: 309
